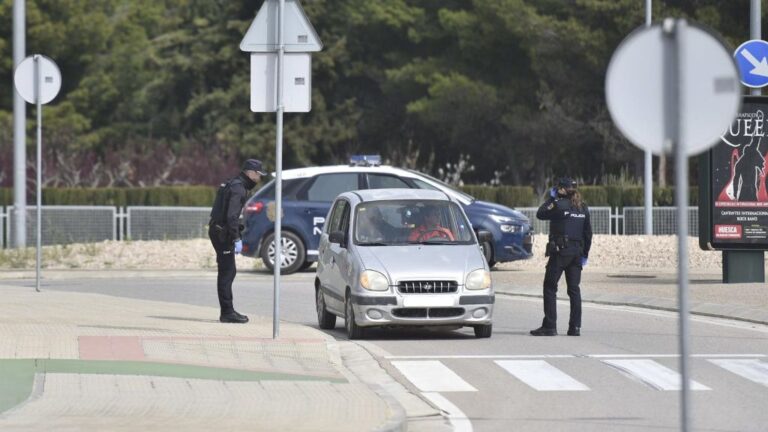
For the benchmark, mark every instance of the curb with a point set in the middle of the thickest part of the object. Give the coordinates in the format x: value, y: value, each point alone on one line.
x: 646, y: 306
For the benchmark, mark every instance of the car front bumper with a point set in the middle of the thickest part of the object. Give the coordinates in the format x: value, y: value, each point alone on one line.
x: 423, y: 309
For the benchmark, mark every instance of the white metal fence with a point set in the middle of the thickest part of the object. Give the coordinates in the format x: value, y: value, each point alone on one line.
x: 83, y: 224
x: 167, y: 223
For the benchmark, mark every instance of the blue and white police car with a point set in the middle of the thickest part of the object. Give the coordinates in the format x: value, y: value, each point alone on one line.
x: 309, y: 192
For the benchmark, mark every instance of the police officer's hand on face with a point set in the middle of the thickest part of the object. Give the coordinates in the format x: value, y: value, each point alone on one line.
x: 553, y: 192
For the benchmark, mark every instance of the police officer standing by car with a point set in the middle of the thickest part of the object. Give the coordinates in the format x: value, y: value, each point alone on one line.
x: 224, y: 231
x: 570, y: 238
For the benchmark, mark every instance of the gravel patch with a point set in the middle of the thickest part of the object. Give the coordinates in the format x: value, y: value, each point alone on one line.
x: 611, y: 253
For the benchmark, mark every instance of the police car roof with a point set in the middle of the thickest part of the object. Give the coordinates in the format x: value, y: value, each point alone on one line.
x: 398, y: 194
x: 297, y: 173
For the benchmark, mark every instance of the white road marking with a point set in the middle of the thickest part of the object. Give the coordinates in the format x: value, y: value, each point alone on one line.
x: 654, y: 374
x: 753, y: 370
x: 562, y: 356
x: 432, y: 376
x: 541, y: 375
x: 458, y: 419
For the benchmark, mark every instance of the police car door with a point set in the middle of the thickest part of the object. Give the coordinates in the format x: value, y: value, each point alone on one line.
x: 319, y: 195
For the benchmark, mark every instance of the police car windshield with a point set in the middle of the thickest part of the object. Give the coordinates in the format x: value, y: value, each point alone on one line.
x: 385, y: 223
x: 443, y: 184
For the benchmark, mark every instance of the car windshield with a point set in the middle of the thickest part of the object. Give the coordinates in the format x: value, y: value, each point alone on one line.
x: 442, y: 184
x: 384, y: 223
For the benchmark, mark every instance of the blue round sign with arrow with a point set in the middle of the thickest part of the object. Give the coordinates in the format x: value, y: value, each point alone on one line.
x: 752, y: 58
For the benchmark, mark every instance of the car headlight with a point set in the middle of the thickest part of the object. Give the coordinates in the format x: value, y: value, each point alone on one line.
x: 374, y: 281
x: 478, y: 279
x: 505, y: 228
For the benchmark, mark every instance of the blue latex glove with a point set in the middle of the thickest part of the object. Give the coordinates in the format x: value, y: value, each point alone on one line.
x: 584, y: 261
x: 238, y: 246
x: 553, y: 192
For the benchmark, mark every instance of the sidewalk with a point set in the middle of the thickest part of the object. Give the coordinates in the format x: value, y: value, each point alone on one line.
x: 72, y: 361
x: 708, y: 296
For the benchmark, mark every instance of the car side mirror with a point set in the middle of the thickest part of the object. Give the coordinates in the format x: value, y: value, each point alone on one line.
x: 337, y: 237
x: 484, y: 236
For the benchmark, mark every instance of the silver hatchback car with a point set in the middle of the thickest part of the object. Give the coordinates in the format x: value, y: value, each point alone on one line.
x: 401, y: 257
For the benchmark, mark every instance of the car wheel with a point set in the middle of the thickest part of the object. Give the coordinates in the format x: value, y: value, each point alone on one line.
x: 293, y: 253
x: 483, y: 331
x: 306, y: 265
x: 325, y: 319
x: 487, y: 248
x: 354, y: 331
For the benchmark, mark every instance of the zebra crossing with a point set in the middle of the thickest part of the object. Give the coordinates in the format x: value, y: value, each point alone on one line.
x: 543, y: 375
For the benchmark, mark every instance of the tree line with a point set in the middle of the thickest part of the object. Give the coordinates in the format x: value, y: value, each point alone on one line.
x: 156, y: 92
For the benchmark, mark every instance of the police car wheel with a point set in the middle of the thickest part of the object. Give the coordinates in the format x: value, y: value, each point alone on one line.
x: 488, y: 253
x: 292, y: 256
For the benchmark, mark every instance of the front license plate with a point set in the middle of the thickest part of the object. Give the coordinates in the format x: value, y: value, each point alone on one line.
x: 427, y: 301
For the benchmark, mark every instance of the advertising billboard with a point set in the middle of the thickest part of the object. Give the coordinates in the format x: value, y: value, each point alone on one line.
x: 738, y: 188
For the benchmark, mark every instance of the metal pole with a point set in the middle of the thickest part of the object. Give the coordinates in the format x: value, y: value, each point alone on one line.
x: 279, y: 171
x: 755, y: 30
x: 673, y: 85
x: 19, y: 133
x: 648, y: 177
x: 39, y: 192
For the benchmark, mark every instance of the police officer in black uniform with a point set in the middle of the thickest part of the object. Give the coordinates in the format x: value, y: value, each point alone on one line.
x: 570, y: 238
x: 224, y: 232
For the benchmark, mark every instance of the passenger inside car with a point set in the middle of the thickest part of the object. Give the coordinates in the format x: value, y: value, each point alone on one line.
x: 430, y: 228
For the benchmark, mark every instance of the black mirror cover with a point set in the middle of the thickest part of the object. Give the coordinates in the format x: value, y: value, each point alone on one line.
x: 484, y: 236
x: 337, y: 237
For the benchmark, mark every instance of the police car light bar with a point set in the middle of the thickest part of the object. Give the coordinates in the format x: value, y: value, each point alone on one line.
x: 365, y: 160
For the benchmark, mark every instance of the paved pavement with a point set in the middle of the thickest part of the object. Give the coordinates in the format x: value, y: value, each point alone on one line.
x: 135, y: 364
x: 708, y: 296
x: 74, y: 361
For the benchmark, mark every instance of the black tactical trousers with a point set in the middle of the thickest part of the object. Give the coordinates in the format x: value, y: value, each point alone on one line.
x: 571, y: 265
x: 225, y: 258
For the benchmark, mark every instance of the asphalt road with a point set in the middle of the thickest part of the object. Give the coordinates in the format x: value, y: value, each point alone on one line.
x: 619, y: 375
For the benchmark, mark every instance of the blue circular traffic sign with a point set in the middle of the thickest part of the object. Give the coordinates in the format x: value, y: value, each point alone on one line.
x: 752, y: 58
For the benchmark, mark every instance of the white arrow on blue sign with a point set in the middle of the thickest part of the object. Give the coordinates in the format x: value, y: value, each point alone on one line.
x: 752, y: 58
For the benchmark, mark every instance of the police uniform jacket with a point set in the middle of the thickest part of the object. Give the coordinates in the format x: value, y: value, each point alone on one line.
x: 229, y: 204
x: 569, y: 227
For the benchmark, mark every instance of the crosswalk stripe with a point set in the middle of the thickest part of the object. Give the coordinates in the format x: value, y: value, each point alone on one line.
x: 654, y: 374
x: 432, y: 376
x: 753, y: 370
x: 541, y: 375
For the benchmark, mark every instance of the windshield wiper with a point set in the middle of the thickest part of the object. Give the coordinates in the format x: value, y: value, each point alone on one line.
x: 373, y: 244
x: 437, y: 242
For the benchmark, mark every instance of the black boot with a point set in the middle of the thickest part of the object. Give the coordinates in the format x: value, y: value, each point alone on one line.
x: 233, y: 317
x: 543, y: 331
x: 574, y: 331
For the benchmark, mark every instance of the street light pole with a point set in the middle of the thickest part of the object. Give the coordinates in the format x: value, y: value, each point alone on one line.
x: 19, y: 133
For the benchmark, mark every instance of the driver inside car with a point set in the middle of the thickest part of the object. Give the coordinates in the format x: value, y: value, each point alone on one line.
x: 431, y: 227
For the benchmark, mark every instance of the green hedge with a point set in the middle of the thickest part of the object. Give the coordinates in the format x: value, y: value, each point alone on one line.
x: 202, y: 196
x: 193, y: 196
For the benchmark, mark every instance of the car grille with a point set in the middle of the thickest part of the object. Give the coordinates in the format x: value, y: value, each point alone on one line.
x: 427, y: 287
x: 428, y: 313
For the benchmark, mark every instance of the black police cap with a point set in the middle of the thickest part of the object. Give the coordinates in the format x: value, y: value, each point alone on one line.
x: 567, y: 183
x: 254, y: 165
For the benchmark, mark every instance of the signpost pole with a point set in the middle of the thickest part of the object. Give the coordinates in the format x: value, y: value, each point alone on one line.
x: 673, y: 100
x: 279, y: 171
x: 648, y: 177
x: 39, y: 106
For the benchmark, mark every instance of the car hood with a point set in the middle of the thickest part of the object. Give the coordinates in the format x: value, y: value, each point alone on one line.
x: 423, y: 262
x: 488, y: 208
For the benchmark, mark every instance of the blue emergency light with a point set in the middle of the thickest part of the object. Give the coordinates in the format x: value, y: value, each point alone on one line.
x: 365, y: 160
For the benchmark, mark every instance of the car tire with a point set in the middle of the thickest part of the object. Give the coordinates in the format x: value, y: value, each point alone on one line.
x: 306, y: 265
x: 325, y: 319
x: 483, y: 331
x: 354, y: 331
x: 487, y: 248
x: 293, y: 259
